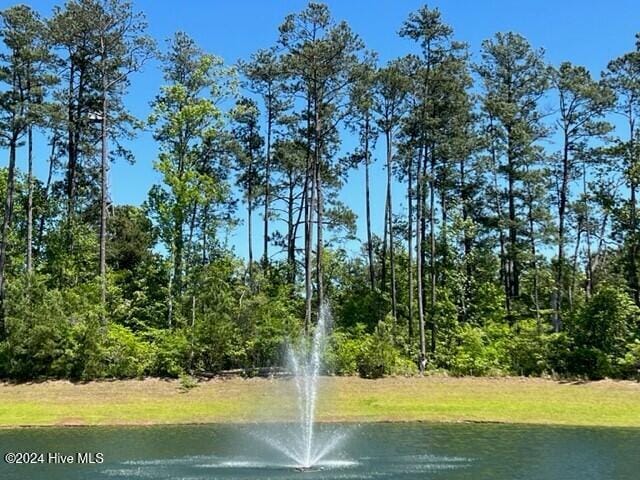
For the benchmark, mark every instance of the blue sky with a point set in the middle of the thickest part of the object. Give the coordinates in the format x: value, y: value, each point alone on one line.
x: 586, y: 32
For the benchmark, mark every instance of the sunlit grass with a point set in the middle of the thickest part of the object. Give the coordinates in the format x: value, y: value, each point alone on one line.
x: 439, y: 399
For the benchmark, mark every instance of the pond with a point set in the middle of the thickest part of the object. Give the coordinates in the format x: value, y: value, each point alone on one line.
x: 390, y: 450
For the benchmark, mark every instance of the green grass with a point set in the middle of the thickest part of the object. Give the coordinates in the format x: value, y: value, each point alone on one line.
x: 437, y: 399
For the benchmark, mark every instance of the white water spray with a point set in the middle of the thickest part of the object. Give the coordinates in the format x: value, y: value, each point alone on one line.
x: 304, y: 446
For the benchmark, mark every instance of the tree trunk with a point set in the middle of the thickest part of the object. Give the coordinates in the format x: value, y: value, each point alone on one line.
x: 372, y: 275
x: 562, y: 206
x: 504, y: 268
x: 267, y: 186
x: 534, y: 260
x: 178, y: 243
x: 432, y: 253
x: 170, y: 301
x: 319, y: 205
x: 291, y: 236
x: 513, y: 269
x: 392, y: 266
x: 319, y: 247
x: 179, y: 217
x: 422, y: 359
x: 574, y: 263
x: 410, y: 246
x: 385, y: 239
x: 466, y: 242
x: 444, y: 238
x: 47, y: 188
x: 6, y: 225
x: 30, y: 202
x: 422, y: 258
x: 74, y: 141
x: 250, y: 223
x: 71, y: 150
x: 308, y: 231
x: 633, y: 247
x: 513, y: 239
x: 203, y: 228
x: 104, y: 169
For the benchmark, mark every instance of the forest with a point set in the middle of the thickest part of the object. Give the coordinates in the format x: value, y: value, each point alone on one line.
x: 510, y: 239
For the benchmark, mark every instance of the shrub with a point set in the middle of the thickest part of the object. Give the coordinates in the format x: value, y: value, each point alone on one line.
x: 344, y: 350
x: 559, y: 350
x: 171, y: 351
x: 187, y: 382
x: 528, y: 350
x: 379, y: 355
x: 480, y: 351
x: 41, y: 325
x: 124, y: 354
x: 607, y: 321
x: 589, y: 362
x: 371, y: 355
x: 266, y: 322
x: 628, y: 366
x: 219, y: 345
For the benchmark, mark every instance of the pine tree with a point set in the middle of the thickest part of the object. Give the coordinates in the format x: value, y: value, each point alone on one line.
x: 514, y: 78
x: 320, y: 60
x: 188, y: 125
x: 266, y: 77
x: 582, y: 104
x: 26, y: 72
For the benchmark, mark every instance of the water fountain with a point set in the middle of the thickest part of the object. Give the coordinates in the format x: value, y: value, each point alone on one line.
x: 302, y: 443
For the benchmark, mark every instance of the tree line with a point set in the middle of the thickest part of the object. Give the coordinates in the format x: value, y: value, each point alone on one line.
x: 510, y: 237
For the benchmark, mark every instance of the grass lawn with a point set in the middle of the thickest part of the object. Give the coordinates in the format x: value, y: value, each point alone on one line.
x: 437, y: 399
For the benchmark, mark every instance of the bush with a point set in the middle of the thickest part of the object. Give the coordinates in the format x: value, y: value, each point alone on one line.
x: 187, y: 382
x: 480, y: 351
x: 219, y: 345
x: 266, y: 322
x: 344, y: 350
x: 607, y: 322
x: 628, y: 366
x: 559, y: 350
x: 379, y: 355
x: 171, y: 350
x: 371, y: 355
x: 41, y: 324
x: 124, y: 354
x: 528, y: 350
x: 589, y: 362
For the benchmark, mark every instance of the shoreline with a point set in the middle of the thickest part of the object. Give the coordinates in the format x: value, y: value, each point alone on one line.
x: 4, y: 428
x: 433, y: 399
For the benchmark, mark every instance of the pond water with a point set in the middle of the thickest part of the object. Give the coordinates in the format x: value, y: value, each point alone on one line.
x: 391, y: 450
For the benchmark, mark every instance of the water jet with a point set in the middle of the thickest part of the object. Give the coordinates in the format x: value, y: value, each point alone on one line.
x: 303, y: 445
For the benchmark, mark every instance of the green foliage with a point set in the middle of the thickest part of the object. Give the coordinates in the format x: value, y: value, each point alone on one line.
x: 608, y: 321
x: 528, y: 349
x: 187, y: 382
x: 60, y: 335
x: 172, y: 352
x: 380, y: 355
x: 266, y: 323
x: 589, y: 362
x: 345, y: 349
x: 487, y: 303
x: 54, y: 333
x: 38, y: 342
x: 371, y: 355
x: 125, y: 355
x: 474, y: 164
x: 221, y: 344
x: 628, y: 366
x: 481, y: 351
x: 604, y: 333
